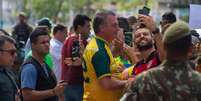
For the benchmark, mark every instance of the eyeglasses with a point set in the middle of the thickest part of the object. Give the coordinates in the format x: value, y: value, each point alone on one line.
x: 10, y: 51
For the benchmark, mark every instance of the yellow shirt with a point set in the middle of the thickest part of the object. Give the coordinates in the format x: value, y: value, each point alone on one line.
x: 98, y: 61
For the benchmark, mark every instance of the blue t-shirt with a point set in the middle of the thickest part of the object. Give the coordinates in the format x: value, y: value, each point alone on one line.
x: 29, y: 76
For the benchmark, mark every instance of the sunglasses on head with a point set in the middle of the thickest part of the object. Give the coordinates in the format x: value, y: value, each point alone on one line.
x: 10, y: 51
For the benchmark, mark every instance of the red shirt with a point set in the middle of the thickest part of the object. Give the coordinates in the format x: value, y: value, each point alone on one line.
x: 152, y: 61
x: 71, y: 74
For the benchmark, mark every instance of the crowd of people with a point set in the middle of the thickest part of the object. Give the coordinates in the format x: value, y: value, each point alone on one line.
x: 127, y: 59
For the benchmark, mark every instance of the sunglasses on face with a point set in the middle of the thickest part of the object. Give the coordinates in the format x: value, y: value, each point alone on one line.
x: 10, y: 51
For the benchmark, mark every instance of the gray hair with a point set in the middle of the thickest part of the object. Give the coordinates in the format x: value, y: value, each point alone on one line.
x: 100, y: 19
x: 4, y: 38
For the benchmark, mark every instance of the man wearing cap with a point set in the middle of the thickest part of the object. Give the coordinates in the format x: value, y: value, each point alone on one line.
x: 20, y: 33
x: 22, y: 29
x: 174, y: 79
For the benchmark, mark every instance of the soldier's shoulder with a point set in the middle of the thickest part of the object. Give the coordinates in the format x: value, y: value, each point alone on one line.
x: 156, y: 70
x: 195, y: 78
x: 149, y: 73
x: 146, y: 79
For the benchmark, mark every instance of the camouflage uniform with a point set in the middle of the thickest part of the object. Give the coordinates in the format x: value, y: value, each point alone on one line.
x: 171, y: 81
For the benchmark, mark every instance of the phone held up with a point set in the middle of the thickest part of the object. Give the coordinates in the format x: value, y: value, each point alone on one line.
x: 75, y: 52
x: 128, y: 38
x: 144, y: 11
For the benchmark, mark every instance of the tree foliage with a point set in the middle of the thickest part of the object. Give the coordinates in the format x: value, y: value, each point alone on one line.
x: 58, y: 10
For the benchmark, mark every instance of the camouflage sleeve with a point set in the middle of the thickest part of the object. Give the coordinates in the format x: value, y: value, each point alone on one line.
x: 140, y: 89
x: 129, y: 96
x: 132, y: 91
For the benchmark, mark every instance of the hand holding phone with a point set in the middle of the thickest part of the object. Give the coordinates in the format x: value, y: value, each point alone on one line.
x: 75, y: 50
x: 148, y: 21
x: 144, y: 11
x: 128, y: 38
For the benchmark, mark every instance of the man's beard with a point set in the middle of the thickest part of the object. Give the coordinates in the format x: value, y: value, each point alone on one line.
x: 145, y: 47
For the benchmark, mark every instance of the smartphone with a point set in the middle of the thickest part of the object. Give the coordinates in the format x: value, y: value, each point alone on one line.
x: 128, y: 38
x: 75, y: 50
x: 144, y: 11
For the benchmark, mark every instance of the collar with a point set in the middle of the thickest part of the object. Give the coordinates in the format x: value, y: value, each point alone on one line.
x: 97, y: 37
x: 172, y: 62
x: 176, y: 64
x: 151, y: 56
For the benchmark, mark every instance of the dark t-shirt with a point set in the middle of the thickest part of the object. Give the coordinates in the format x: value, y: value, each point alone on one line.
x: 21, y: 31
x: 7, y: 85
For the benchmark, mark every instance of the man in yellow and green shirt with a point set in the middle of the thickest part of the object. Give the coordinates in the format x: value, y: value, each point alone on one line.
x: 98, y: 61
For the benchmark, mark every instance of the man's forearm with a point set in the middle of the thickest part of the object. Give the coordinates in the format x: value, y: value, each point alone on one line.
x: 33, y: 95
x: 118, y: 84
x: 112, y: 83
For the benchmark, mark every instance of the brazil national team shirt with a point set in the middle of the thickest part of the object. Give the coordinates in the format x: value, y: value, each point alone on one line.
x: 98, y: 63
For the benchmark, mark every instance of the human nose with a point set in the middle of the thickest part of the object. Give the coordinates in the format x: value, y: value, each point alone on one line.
x: 141, y: 35
x: 47, y: 44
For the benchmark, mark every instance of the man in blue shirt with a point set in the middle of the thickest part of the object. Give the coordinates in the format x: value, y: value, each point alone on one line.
x: 37, y: 80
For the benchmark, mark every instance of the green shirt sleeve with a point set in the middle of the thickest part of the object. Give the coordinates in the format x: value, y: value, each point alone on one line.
x: 101, y: 63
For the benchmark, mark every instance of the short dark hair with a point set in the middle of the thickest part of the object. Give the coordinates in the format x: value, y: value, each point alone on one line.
x: 179, y: 47
x: 80, y: 20
x: 4, y: 38
x: 169, y: 17
x: 36, y: 33
x: 58, y: 27
x: 100, y: 19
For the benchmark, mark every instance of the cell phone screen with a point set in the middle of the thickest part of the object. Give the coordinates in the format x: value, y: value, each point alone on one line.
x: 128, y: 38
